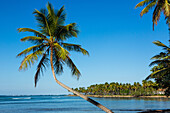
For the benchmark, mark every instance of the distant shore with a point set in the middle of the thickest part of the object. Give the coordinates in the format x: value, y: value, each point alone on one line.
x: 123, y: 96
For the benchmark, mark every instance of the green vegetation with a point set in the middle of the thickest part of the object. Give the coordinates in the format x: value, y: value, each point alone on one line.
x: 49, y: 47
x: 159, y: 6
x: 161, y: 72
x: 147, y: 88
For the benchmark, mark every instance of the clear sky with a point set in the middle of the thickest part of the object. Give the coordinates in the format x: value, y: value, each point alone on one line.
x: 118, y: 39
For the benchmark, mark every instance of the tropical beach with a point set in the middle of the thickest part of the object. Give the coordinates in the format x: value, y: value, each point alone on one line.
x: 85, y: 56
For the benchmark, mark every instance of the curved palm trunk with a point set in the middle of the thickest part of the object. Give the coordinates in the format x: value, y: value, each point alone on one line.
x: 75, y: 92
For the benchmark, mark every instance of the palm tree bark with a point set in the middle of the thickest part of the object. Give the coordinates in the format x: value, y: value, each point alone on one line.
x: 75, y: 92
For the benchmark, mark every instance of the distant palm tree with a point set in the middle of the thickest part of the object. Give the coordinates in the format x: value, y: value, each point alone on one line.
x: 159, y: 6
x: 161, y: 72
x: 50, y: 47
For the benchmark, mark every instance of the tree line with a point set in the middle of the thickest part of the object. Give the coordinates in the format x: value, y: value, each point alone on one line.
x: 147, y: 88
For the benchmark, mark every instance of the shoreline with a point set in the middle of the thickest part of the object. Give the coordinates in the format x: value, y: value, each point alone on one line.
x: 123, y: 96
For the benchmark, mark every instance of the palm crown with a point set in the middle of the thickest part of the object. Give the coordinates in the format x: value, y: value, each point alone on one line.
x: 162, y: 61
x: 48, y: 42
x: 159, y: 6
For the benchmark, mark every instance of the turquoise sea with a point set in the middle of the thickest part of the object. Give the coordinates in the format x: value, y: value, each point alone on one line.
x: 67, y: 104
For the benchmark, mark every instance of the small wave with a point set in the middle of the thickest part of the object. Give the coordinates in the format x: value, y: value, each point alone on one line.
x: 21, y: 98
x: 56, y: 97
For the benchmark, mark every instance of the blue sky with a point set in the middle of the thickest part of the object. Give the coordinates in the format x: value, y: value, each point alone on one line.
x: 118, y: 39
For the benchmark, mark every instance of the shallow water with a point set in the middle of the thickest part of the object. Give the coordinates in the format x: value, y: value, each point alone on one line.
x: 67, y: 104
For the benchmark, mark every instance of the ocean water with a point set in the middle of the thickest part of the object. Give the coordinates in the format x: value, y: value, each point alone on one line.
x: 67, y: 104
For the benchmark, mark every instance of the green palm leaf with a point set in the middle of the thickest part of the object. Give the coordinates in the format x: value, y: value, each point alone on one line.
x: 30, y: 59
x: 33, y: 48
x: 42, y: 65
x: 159, y: 62
x: 74, y: 47
x: 158, y: 43
x: 159, y: 6
x: 58, y: 62
x: 39, y: 15
x: 155, y: 73
x: 143, y: 3
x: 160, y: 56
x: 73, y: 67
x: 62, y: 53
x: 148, y: 7
x: 37, y: 33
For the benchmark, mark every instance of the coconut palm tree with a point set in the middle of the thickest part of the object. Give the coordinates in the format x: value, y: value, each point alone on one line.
x: 161, y: 72
x: 49, y: 46
x: 159, y: 6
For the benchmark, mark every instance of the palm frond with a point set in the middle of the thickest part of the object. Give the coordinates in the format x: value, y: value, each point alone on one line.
x: 74, y: 47
x: 40, y: 16
x: 67, y: 31
x: 58, y: 64
x: 31, y: 38
x: 148, y: 7
x: 37, y: 33
x: 42, y: 65
x: 30, y: 59
x: 159, y: 56
x: 60, y: 16
x: 73, y: 67
x: 51, y: 10
x: 159, y: 62
x: 158, y: 43
x: 35, y: 39
x: 152, y: 75
x: 166, y: 8
x: 166, y: 57
x: 33, y: 48
x: 62, y: 53
x: 143, y: 3
x: 156, y: 14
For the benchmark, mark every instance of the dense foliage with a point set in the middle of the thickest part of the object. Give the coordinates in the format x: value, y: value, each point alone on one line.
x: 161, y: 70
x: 115, y: 88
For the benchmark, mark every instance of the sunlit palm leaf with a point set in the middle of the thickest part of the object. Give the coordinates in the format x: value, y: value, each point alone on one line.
x: 143, y: 3
x: 61, y: 51
x: 74, y: 47
x: 33, y: 48
x: 30, y: 59
x: 73, y: 67
x: 58, y: 62
x: 159, y: 6
x: 148, y: 7
x: 158, y: 43
x: 156, y: 15
x: 31, y: 30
